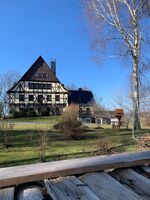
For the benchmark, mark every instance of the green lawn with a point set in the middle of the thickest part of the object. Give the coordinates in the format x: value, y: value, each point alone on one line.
x: 25, y: 143
x: 36, y: 119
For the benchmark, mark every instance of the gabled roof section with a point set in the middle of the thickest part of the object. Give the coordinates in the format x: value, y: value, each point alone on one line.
x: 39, y: 66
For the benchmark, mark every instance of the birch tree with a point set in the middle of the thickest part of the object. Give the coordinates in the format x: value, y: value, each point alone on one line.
x: 125, y: 17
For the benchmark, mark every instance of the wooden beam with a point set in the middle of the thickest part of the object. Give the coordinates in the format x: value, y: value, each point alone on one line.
x: 34, y: 172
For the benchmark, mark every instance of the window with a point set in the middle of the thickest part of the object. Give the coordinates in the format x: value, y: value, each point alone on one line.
x: 44, y: 75
x: 40, y: 98
x: 57, y: 97
x: 36, y: 85
x: 40, y: 86
x: 44, y: 86
x: 30, y: 97
x: 49, y: 86
x: 48, y: 97
x: 31, y: 85
x: 88, y: 110
x: 40, y: 75
x: 21, y: 97
x: 35, y: 75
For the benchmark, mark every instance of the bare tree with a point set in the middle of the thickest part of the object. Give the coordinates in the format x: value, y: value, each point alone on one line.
x: 7, y: 80
x: 125, y: 17
x: 71, y: 87
x: 123, y: 99
x: 74, y: 87
x: 98, y: 110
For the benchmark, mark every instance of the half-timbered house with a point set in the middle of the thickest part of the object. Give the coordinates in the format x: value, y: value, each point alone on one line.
x: 39, y: 90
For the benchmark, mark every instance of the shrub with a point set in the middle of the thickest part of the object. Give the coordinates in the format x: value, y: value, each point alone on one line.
x: 17, y: 114
x: 43, y: 140
x: 70, y: 126
x: 45, y: 113
x: 105, y: 147
x: 144, y: 142
x: 31, y: 113
x: 5, y: 129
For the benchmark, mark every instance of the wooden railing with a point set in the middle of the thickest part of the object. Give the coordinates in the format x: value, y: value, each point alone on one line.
x: 35, y: 172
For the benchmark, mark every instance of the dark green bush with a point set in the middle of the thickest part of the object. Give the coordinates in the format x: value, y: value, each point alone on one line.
x: 17, y: 114
x: 32, y: 113
x: 45, y: 113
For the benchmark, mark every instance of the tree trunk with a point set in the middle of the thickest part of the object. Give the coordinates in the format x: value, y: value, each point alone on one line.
x: 135, y: 56
x: 136, y: 103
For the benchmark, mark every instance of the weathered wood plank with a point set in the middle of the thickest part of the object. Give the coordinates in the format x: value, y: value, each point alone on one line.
x: 134, y: 180
x: 106, y: 187
x: 69, y: 188
x: 30, y: 193
x: 7, y: 193
x: 145, y: 168
x: 35, y: 172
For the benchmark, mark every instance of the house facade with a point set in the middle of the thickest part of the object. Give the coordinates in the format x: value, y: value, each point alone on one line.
x: 39, y: 90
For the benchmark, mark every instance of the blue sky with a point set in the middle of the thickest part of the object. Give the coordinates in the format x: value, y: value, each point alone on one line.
x: 56, y: 29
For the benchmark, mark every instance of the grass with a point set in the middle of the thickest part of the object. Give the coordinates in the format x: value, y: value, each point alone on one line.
x: 25, y: 142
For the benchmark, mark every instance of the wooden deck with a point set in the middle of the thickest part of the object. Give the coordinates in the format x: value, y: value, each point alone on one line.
x: 116, y: 177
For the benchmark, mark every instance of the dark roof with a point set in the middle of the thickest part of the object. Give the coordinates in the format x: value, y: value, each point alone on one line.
x: 80, y: 97
x: 40, y: 62
x: 38, y: 65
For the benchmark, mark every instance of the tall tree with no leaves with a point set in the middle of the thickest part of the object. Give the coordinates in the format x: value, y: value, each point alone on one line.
x: 7, y: 80
x: 125, y: 17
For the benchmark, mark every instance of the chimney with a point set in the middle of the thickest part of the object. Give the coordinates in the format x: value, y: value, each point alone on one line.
x: 53, y: 66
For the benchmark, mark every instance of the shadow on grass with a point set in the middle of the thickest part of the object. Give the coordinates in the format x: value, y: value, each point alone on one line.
x: 29, y: 138
x: 47, y: 158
